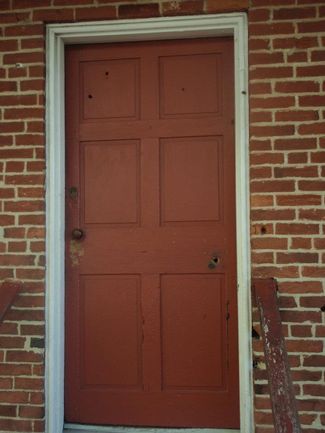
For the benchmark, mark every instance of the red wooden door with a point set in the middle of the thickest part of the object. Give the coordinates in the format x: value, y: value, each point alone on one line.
x: 151, y: 320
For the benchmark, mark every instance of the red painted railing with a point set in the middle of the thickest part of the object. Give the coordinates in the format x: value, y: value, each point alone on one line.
x: 8, y: 292
x: 285, y: 415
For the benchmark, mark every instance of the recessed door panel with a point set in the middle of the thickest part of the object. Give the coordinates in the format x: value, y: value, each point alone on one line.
x: 110, y: 328
x: 110, y: 89
x: 190, y: 84
x: 151, y: 307
x: 111, y: 182
x: 193, y: 332
x: 191, y: 182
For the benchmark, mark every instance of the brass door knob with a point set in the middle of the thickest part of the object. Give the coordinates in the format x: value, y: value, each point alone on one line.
x: 77, y: 234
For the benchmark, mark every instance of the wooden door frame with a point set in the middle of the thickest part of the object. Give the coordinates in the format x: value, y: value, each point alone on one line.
x: 58, y: 35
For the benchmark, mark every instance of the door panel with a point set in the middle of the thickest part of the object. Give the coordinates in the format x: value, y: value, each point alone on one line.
x: 151, y: 319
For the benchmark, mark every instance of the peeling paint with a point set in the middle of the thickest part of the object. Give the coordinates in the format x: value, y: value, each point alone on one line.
x: 76, y: 252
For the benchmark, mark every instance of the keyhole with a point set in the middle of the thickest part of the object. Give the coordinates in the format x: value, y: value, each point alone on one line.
x: 90, y: 96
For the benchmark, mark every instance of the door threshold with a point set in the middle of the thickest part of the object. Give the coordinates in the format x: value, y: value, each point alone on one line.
x: 81, y: 428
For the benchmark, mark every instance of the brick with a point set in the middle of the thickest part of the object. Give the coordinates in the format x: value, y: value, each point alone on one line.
x: 311, y: 26
x: 18, y: 100
x: 15, y: 425
x: 30, y: 301
x: 260, y: 116
x: 6, y: 220
x: 301, y: 317
x: 298, y: 42
x: 266, y: 158
x: 272, y: 214
x: 265, y: 58
x: 28, y: 383
x: 17, y: 260
x: 8, y: 329
x: 296, y: 228
x: 259, y: 44
x: 313, y: 271
x: 296, y: 86
x: 273, y: 186
x: 7, y: 18
x: 297, y: 158
x: 260, y: 3
x: 299, y: 57
x: 31, y: 330
x: 311, y: 100
x: 260, y: 172
x: 24, y: 57
x: 294, y: 13
x: 138, y: 10
x: 301, y: 331
x: 320, y: 331
x: 300, y: 287
x: 285, y: 258
x: 8, y: 86
x: 24, y: 206
x: 33, y: 85
x: 311, y: 71
x: 25, y: 30
x: 261, y: 200
x: 8, y: 410
x: 296, y: 172
x: 318, y: 56
x: 260, y: 73
x: 226, y: 5
x: 26, y: 314
x: 30, y: 140
x: 32, y: 43
x: 13, y: 397
x: 259, y: 258
x: 31, y: 411
x: 22, y: 4
x: 256, y: 15
x: 182, y: 7
x: 33, y: 192
x: 31, y: 179
x: 319, y: 243
x: 30, y: 274
x: 31, y: 219
x: 272, y: 131
x: 272, y: 102
x: 298, y: 200
x: 53, y: 15
x: 300, y: 243
x: 8, y: 45
x: 11, y: 127
x: 311, y: 185
x: 271, y: 29
x: 318, y: 157
x: 259, y: 88
x: 308, y: 404
x: 312, y: 301
x: 312, y: 214
x: 275, y: 272
x: 314, y: 390
x: 296, y: 115
x: 12, y: 343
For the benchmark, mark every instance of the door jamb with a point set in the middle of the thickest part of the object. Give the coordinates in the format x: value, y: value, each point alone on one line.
x: 234, y: 24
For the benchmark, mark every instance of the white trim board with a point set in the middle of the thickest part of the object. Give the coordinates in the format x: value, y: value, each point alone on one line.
x: 119, y: 31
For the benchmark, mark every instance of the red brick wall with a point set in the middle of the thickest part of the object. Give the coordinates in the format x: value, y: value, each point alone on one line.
x: 287, y: 149
x: 287, y: 154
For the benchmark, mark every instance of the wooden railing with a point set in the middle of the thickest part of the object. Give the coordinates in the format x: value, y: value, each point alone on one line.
x: 285, y: 415
x: 8, y: 292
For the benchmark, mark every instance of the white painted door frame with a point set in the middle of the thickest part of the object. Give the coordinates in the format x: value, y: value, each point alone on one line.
x: 58, y: 35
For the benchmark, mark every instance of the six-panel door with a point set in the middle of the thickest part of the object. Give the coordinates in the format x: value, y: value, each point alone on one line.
x: 151, y: 326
